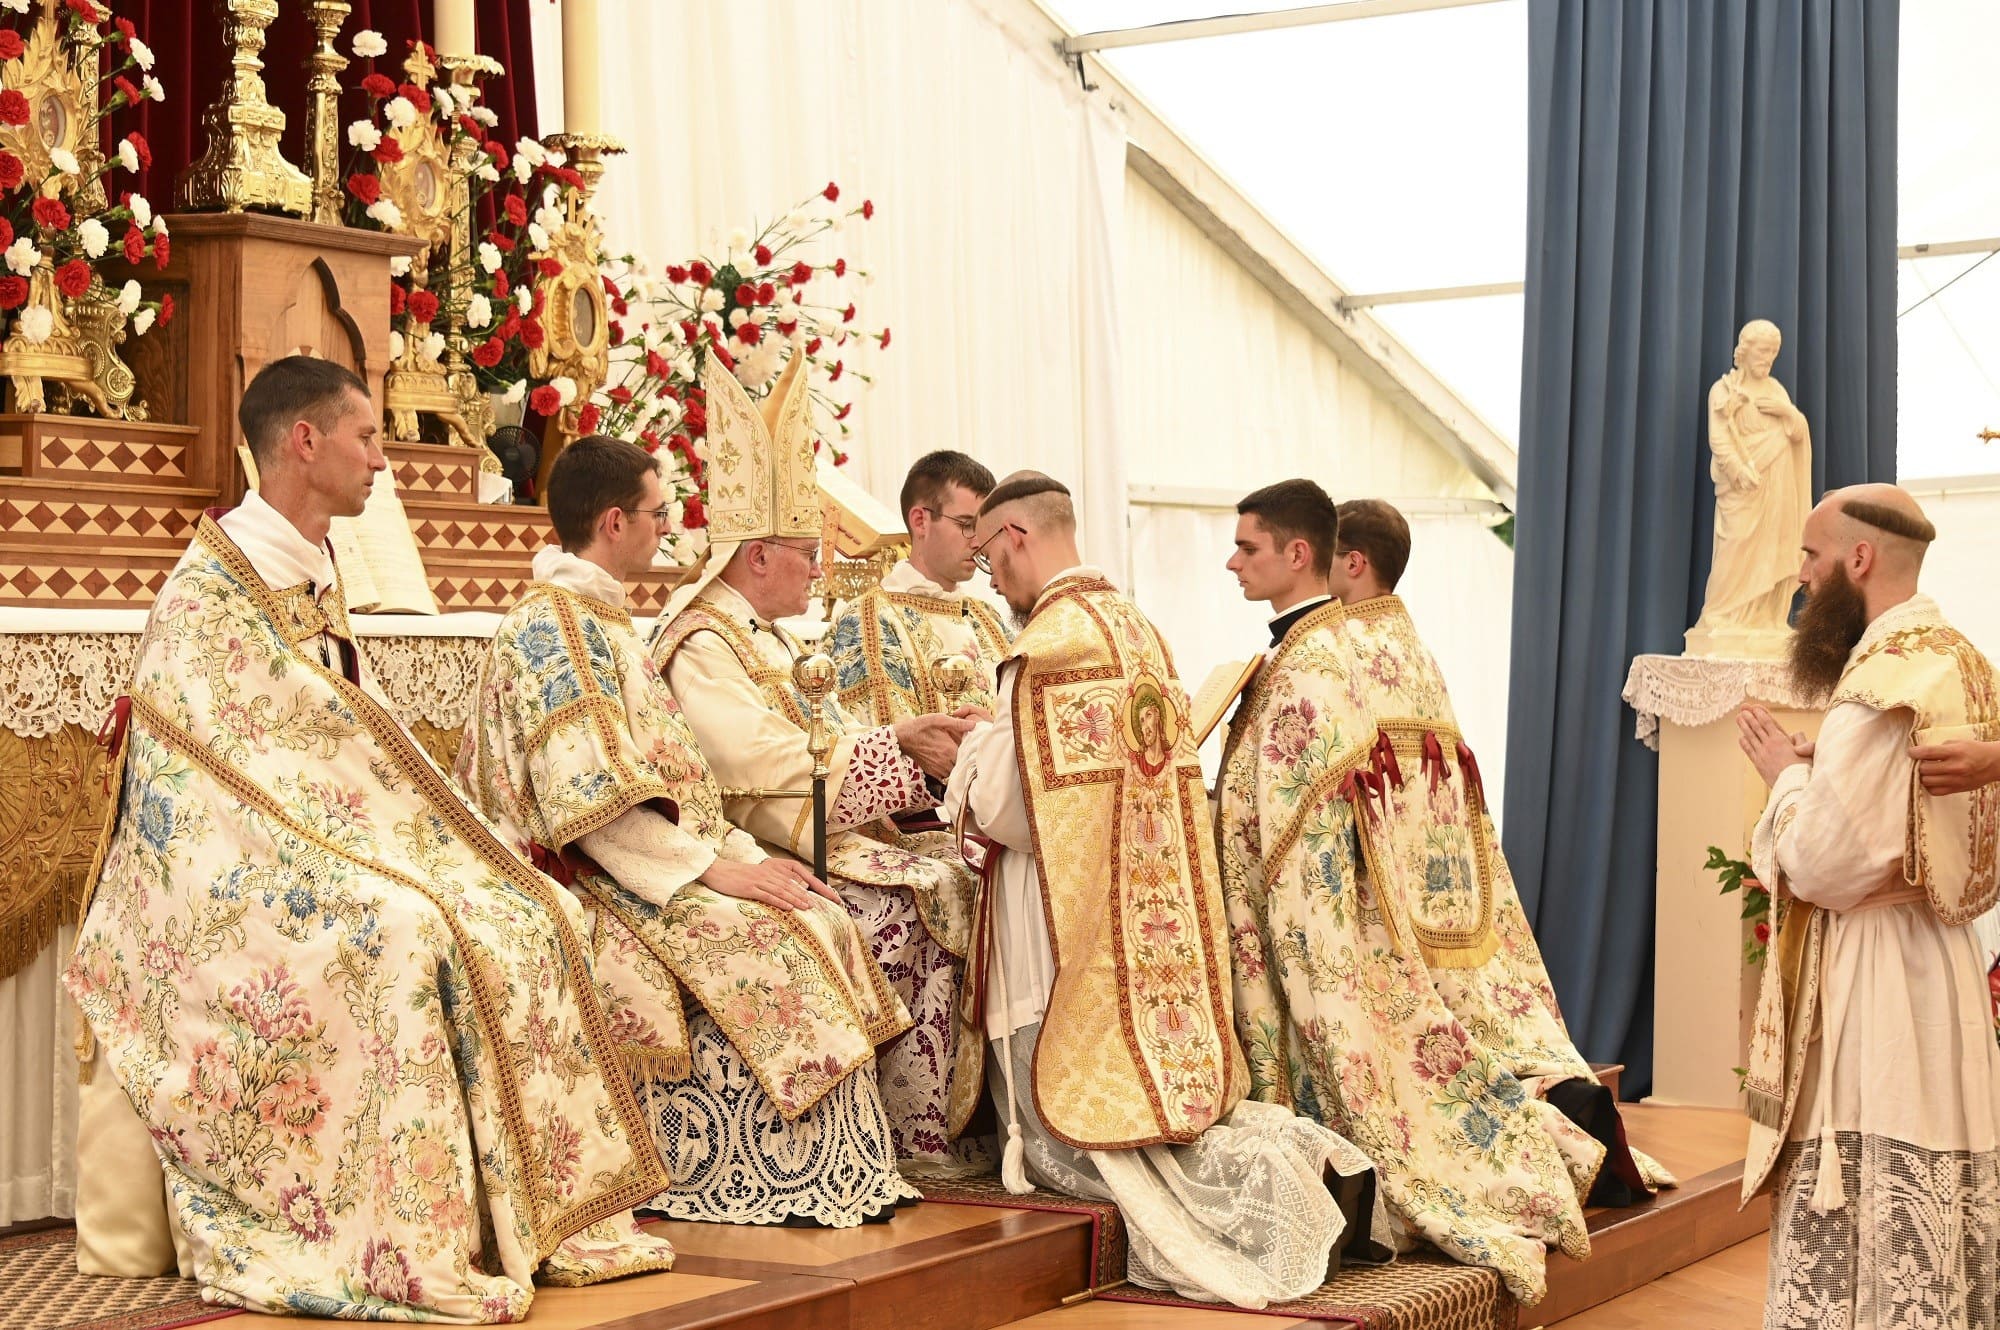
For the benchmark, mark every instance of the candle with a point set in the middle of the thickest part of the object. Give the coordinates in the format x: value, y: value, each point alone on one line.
x: 452, y: 27
x: 579, y: 46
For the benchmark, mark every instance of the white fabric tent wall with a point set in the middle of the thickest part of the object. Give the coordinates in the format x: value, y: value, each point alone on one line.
x: 1958, y: 571
x: 998, y: 182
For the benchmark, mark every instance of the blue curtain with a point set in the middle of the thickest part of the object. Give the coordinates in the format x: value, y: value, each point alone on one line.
x: 1693, y: 164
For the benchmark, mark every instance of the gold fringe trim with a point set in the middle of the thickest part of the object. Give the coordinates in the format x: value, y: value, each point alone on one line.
x: 1460, y: 958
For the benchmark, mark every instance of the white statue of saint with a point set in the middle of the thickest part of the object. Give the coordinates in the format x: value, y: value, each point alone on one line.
x: 1760, y: 457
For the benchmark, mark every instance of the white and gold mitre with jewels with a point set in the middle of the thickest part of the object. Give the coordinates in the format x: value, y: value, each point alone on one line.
x: 762, y: 477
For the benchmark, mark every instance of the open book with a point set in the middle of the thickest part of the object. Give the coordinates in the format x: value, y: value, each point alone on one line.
x: 864, y: 524
x: 1224, y: 684
x: 381, y: 568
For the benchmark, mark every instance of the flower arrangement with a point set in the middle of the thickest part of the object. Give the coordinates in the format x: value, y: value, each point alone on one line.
x: 58, y: 217
x: 1735, y: 875
x: 751, y: 307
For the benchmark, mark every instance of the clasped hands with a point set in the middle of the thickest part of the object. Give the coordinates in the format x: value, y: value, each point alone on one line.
x: 932, y: 741
x: 1767, y: 745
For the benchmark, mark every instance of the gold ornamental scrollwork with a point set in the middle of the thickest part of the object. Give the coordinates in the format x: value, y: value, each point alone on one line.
x: 244, y: 167
x: 52, y: 805
x: 47, y: 75
x: 578, y: 341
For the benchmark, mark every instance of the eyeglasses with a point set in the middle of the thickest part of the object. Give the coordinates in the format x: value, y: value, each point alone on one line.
x: 657, y: 514
x: 966, y: 525
x: 811, y: 552
x: 980, y: 558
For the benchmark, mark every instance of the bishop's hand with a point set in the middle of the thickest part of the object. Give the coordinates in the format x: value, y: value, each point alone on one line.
x: 932, y: 742
x: 779, y: 883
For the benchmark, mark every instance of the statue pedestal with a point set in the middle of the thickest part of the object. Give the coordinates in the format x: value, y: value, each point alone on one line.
x: 1738, y: 644
x: 1704, y: 997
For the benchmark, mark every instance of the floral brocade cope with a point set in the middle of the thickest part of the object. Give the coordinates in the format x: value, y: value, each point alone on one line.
x: 1335, y: 1007
x: 794, y: 991
x: 360, y: 1030
x: 885, y: 646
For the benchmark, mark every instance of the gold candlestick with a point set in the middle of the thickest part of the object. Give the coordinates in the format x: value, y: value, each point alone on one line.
x: 243, y: 167
x: 89, y: 198
x: 329, y: 204
x: 463, y: 73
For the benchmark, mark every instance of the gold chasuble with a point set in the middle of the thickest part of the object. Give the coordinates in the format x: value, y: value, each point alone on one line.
x: 1136, y: 1046
x: 360, y: 1028
x: 1908, y: 659
x: 574, y: 728
x: 1334, y: 1004
x: 887, y: 641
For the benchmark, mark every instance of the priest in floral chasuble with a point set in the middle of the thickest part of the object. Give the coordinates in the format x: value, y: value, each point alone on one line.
x: 360, y: 1029
x: 1101, y: 974
x: 887, y: 641
x: 1442, y: 857
x: 1334, y: 1003
x: 1874, y: 1081
x: 762, y: 1092
x: 728, y: 664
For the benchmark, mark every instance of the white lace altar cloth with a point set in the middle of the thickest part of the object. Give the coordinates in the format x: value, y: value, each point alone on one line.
x: 65, y: 667
x: 1694, y: 690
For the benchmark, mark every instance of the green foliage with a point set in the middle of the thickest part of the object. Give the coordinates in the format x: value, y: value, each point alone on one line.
x: 1735, y: 875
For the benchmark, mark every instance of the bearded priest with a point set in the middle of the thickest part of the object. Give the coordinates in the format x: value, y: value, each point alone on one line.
x: 1442, y: 855
x: 1336, y: 1010
x: 728, y: 663
x: 1101, y: 976
x: 1874, y: 1080
x: 360, y: 1029
x: 762, y: 1091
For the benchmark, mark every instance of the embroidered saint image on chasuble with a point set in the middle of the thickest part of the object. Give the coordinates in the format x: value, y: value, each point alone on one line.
x: 1108, y: 768
x: 360, y: 1028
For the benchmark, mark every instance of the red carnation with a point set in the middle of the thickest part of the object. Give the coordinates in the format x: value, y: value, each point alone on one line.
x: 73, y: 278
x: 834, y: 375
x: 51, y: 214
x: 488, y: 353
x: 497, y: 153
x: 135, y: 244
x: 551, y: 267
x: 166, y: 308
x: 501, y: 243
x: 695, y: 417
x: 367, y: 188
x: 847, y: 315
x: 867, y: 209
x: 85, y: 10
x: 532, y: 337
x: 399, y: 300
x: 763, y: 253
x: 728, y: 361
x: 423, y: 305
x: 501, y: 287
x: 750, y: 334
x: 832, y: 192
x: 126, y: 30
x: 6, y: 233
x: 616, y: 332
x: 788, y: 327
x: 801, y: 273
x: 676, y: 274
x: 127, y: 89
x: 516, y: 209
x: 161, y: 249
x: 417, y: 98
x: 619, y: 307
x: 649, y: 440
x: 1762, y: 931
x: 586, y: 419
x: 143, y: 148
x: 13, y: 292
x: 885, y: 339
x: 545, y: 401
x: 746, y: 294
x: 11, y: 44
x: 844, y: 409
x: 812, y: 347
x: 378, y: 86
x: 656, y: 365
x: 388, y: 150
x: 510, y: 327
x: 699, y: 273
x: 694, y: 514
x: 13, y: 107
x: 766, y: 293
x: 541, y: 297
x: 11, y: 171
x: 621, y: 395
x: 469, y: 127
x: 687, y: 332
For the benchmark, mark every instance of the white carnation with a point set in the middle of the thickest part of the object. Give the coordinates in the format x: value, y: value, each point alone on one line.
x: 129, y: 296
x: 395, y: 345
x: 523, y: 168
x: 128, y: 156
x: 557, y: 157
x: 363, y: 135
x: 22, y: 256
x: 142, y: 321
x: 738, y: 317
x: 530, y: 151
x: 433, y: 346
x: 18, y: 6
x: 711, y: 301
x: 63, y: 160
x: 159, y: 224
x: 37, y: 323
x: 565, y: 388
x: 142, y: 211
x: 515, y: 391
x: 142, y: 54
x: 151, y: 87
x: 441, y: 98
x: 370, y: 44
x: 489, y: 256
x: 549, y: 219
x: 399, y: 266
x: 387, y: 213
x: 490, y: 119
x: 94, y: 237
x: 538, y: 239
x: 524, y: 300
x: 488, y: 172
x: 401, y: 112
x: 478, y: 312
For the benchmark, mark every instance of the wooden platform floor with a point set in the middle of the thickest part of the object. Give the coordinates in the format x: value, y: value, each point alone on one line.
x: 963, y: 1267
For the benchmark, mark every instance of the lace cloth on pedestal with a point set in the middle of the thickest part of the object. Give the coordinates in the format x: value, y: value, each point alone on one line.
x: 1916, y: 1247
x: 49, y: 680
x: 734, y: 1160
x: 1241, y: 1215
x: 1694, y: 690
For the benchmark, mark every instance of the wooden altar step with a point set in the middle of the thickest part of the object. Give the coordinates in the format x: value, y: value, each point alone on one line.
x: 73, y: 542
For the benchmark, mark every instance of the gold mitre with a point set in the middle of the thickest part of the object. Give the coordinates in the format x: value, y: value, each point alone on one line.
x: 762, y: 479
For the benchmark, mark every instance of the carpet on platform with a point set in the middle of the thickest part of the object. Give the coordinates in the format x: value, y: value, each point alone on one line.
x: 45, y: 1291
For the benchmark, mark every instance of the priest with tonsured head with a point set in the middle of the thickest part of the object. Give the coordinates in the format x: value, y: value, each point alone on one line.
x: 1100, y: 970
